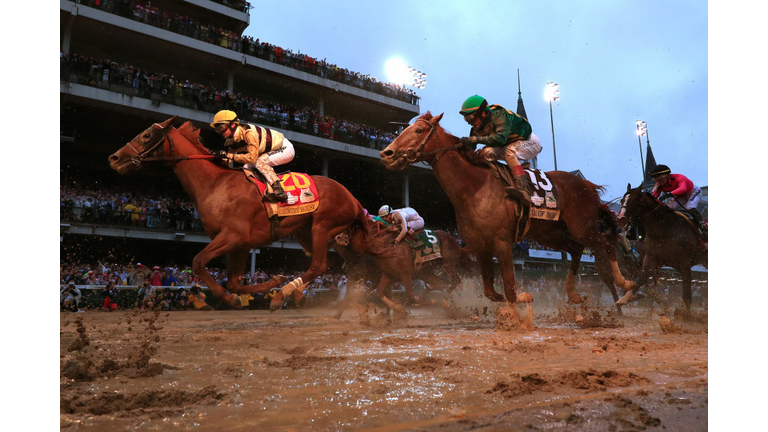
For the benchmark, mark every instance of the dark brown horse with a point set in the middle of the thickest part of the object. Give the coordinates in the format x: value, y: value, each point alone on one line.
x: 670, y: 239
x: 396, y: 261
x: 232, y: 211
x: 487, y: 221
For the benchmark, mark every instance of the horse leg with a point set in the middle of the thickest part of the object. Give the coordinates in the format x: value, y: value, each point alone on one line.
x: 570, y: 279
x: 221, y: 244
x: 686, y: 276
x: 648, y: 270
x: 485, y: 261
x: 321, y: 239
x: 235, y: 268
x: 507, y: 267
x: 604, y: 271
x: 383, y: 284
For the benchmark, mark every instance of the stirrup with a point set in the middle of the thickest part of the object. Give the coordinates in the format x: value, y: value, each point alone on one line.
x: 276, y: 197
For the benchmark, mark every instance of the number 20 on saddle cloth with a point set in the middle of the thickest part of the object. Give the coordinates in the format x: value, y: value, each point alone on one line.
x: 301, y: 190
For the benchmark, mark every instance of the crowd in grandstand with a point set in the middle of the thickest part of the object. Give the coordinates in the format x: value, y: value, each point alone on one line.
x: 108, y: 207
x: 146, y: 13
x: 167, y: 88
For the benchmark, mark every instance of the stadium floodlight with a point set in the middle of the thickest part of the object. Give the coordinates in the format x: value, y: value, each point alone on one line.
x: 551, y: 94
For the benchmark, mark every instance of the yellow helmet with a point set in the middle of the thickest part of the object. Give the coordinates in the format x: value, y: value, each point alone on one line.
x: 224, y: 117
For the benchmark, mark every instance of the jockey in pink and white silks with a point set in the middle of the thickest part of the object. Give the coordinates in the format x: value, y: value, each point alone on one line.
x: 409, y: 218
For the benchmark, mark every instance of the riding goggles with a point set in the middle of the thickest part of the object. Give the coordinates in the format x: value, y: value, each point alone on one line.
x: 221, y: 127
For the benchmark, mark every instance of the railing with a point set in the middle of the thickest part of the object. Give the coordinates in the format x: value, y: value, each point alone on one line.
x: 143, y: 219
x: 186, y: 97
x: 226, y: 39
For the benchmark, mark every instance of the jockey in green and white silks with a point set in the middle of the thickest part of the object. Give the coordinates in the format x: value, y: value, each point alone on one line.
x: 409, y: 218
x: 506, y: 136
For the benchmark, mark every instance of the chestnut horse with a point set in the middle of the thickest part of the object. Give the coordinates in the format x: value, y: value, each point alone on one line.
x: 670, y: 239
x: 232, y: 211
x: 396, y: 261
x: 487, y: 221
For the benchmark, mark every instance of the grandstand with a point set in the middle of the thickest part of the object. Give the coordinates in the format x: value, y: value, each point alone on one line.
x: 124, y: 67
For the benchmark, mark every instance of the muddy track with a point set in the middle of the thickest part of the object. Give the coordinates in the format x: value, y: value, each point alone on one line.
x: 437, y: 369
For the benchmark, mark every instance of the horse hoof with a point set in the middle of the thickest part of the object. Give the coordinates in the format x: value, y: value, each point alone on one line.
x: 524, y: 298
x: 235, y: 302
x: 624, y: 300
x: 275, y: 305
x: 574, y: 298
x: 494, y: 296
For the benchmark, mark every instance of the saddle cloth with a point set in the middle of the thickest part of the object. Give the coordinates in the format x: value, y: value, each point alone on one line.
x: 543, y: 196
x: 301, y: 189
x: 425, y: 246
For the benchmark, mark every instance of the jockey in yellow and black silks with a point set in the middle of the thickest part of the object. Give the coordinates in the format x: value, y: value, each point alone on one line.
x: 506, y: 136
x: 255, y: 147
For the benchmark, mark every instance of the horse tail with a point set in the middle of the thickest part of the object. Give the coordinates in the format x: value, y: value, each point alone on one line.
x: 608, y: 219
x: 599, y: 190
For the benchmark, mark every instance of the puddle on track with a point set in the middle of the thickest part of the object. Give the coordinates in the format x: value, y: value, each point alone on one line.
x: 304, y: 370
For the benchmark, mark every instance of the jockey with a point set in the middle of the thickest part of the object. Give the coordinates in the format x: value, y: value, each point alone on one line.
x: 685, y: 195
x: 505, y: 135
x: 409, y: 218
x: 255, y: 147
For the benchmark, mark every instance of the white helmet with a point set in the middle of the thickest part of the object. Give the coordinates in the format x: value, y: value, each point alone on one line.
x: 385, y: 210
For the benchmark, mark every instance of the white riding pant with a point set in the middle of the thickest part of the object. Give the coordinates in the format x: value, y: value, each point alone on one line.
x: 524, y: 150
x: 691, y: 201
x: 279, y: 156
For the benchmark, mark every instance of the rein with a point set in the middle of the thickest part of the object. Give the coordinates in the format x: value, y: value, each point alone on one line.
x: 412, y: 154
x: 142, y: 156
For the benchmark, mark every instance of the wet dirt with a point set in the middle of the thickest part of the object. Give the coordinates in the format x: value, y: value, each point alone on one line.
x: 455, y: 369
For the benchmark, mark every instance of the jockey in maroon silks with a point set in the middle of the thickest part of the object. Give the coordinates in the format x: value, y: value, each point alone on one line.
x: 679, y: 192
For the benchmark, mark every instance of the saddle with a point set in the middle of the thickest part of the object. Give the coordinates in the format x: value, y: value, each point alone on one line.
x: 504, y: 173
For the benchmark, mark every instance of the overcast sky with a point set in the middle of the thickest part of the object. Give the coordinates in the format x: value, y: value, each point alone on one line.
x: 615, y: 61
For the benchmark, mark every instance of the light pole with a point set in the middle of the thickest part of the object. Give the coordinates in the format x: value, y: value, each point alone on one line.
x: 642, y: 129
x: 551, y: 94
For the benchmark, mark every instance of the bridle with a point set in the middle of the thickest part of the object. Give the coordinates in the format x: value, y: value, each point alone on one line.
x: 143, y: 156
x: 650, y: 212
x: 414, y: 153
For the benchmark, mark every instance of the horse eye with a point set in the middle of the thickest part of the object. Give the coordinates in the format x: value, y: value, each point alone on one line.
x: 418, y: 131
x: 147, y: 135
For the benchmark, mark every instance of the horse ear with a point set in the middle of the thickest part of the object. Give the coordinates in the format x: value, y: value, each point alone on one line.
x: 629, y: 187
x: 436, y: 120
x: 169, y: 122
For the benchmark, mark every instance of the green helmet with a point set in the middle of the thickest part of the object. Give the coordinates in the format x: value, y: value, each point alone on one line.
x: 473, y: 104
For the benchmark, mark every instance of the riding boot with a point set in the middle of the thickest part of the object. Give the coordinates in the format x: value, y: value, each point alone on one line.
x: 521, y: 191
x: 277, y: 194
x: 697, y: 220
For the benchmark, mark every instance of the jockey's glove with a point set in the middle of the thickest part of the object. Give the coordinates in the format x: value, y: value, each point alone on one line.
x: 467, y: 141
x: 221, y: 155
x: 664, y: 196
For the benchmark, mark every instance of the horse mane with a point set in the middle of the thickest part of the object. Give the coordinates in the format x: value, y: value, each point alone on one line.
x: 192, y: 134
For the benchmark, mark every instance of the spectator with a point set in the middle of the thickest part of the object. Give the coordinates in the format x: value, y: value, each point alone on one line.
x: 147, y: 294
x: 168, y: 278
x: 109, y: 293
x: 167, y: 299
x: 156, y: 278
x: 138, y: 275
x: 70, y: 298
x: 181, y: 301
x: 197, y: 299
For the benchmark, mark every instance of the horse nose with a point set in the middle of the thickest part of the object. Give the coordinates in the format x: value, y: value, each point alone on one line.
x: 114, y: 158
x: 386, y: 153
